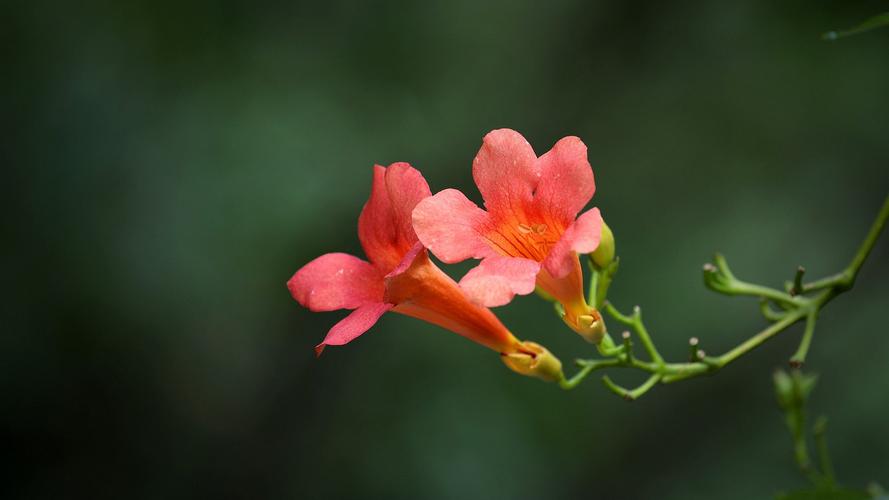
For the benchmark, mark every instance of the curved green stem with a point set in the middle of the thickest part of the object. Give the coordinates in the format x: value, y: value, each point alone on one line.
x: 845, y: 279
x: 753, y: 290
x: 720, y: 278
x: 631, y: 395
x: 800, y: 356
x: 758, y: 339
x: 635, y: 322
x: 769, y: 313
x: 587, y: 366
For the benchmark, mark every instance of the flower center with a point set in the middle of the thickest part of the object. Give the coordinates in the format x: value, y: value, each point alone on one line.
x: 529, y: 240
x: 538, y: 229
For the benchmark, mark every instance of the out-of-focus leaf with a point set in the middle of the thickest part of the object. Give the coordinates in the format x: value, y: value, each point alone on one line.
x: 877, y: 21
x: 824, y: 494
x: 783, y: 389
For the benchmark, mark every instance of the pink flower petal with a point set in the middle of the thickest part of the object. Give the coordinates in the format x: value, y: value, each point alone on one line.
x: 582, y: 236
x: 450, y: 226
x: 406, y: 261
x: 566, y: 182
x: 353, y: 325
x: 497, y: 279
x: 384, y: 227
x: 406, y: 187
x: 336, y: 281
x: 506, y: 172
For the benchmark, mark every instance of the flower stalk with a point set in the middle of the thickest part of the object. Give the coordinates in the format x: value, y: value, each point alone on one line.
x: 802, y: 302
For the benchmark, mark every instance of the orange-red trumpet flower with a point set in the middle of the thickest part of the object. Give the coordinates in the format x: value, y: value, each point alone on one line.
x: 401, y: 278
x: 530, y: 234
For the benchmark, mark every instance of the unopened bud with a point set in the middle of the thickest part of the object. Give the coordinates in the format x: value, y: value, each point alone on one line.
x: 534, y: 360
x: 604, y: 253
x: 714, y: 279
x: 793, y: 389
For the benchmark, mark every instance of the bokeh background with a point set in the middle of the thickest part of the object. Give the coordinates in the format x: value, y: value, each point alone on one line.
x: 169, y: 165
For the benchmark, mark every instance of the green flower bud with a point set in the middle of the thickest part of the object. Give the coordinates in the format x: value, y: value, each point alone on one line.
x: 604, y: 253
x: 793, y: 389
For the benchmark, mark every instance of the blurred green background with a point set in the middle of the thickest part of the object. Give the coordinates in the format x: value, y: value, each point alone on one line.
x: 171, y: 164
